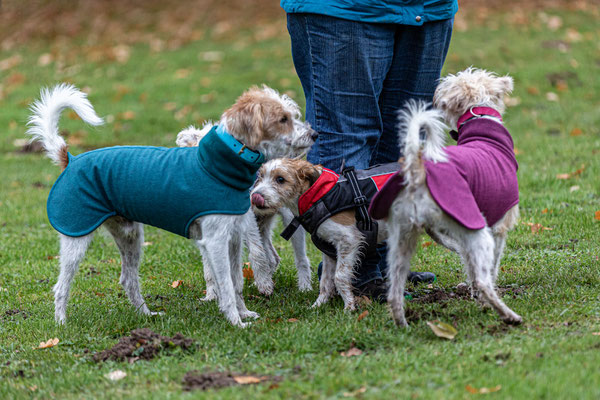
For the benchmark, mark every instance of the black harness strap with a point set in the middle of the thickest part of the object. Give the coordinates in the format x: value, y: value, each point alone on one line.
x: 290, y: 229
x: 360, y: 200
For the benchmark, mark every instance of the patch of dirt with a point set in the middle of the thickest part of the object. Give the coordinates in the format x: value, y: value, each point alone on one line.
x: 438, y: 295
x: 11, y: 314
x: 195, y: 380
x: 143, y: 344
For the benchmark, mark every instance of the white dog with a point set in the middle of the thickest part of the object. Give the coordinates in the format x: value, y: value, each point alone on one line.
x: 199, y: 193
x: 190, y: 137
x: 465, y: 197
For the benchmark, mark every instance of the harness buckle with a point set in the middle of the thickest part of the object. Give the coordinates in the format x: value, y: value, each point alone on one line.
x: 360, y: 200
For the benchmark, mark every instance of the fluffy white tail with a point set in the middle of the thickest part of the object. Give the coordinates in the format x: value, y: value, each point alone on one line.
x: 191, y: 136
x: 414, y: 118
x: 43, y: 123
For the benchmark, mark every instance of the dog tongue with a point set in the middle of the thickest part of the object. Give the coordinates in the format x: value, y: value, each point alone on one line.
x: 258, y: 200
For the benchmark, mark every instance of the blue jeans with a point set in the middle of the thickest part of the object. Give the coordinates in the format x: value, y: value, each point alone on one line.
x: 356, y: 76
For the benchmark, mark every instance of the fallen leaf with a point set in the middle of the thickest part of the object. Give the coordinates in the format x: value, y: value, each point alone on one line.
x: 247, y: 379
x: 482, y: 390
x: 512, y: 101
x: 247, y: 271
x: 48, y: 344
x: 146, y: 244
x: 517, y: 151
x: 596, y: 333
x: 363, y: 315
x: 293, y: 320
x: 176, y: 284
x: 535, y: 228
x: 551, y: 96
x: 562, y: 86
x: 575, y: 132
x: 352, y: 351
x: 597, y: 216
x: 127, y: 115
x: 45, y: 59
x: 10, y: 62
x: 554, y: 22
x: 545, y: 211
x: 426, y: 244
x: 116, y: 375
x: 574, y: 188
x: 170, y: 106
x: 356, y: 392
x: 443, y: 330
x: 533, y: 90
x: 572, y: 174
x: 182, y: 73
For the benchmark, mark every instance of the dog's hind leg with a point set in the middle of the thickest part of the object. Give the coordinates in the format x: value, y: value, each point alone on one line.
x: 500, y: 232
x: 300, y: 258
x: 402, y: 242
x: 327, y: 283
x: 263, y: 267
x: 129, y: 237
x: 72, y: 250
x: 477, y: 252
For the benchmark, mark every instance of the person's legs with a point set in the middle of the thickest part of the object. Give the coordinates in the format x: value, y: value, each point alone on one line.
x: 419, y: 54
x: 342, y: 66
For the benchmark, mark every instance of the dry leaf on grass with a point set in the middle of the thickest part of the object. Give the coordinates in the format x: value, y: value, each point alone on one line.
x: 596, y: 333
x: 576, y: 132
x: 293, y: 320
x: 116, y: 375
x: 426, y: 244
x: 355, y: 393
x: 597, y: 215
x: 482, y: 390
x: 572, y: 174
x: 362, y: 315
x: 247, y: 379
x: 248, y: 272
x: 442, y: 329
x: 535, y: 228
x: 176, y: 284
x: 48, y: 344
x: 352, y: 351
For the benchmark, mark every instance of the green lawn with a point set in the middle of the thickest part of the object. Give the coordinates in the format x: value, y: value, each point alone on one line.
x: 148, y: 98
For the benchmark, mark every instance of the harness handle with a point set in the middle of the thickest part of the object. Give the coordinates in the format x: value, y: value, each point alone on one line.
x: 360, y: 200
x: 290, y: 229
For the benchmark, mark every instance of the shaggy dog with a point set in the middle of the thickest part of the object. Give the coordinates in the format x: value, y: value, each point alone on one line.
x: 199, y: 193
x: 465, y: 196
x: 190, y: 137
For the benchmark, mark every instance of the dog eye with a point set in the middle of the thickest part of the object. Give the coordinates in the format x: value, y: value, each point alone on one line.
x: 280, y: 180
x: 283, y: 119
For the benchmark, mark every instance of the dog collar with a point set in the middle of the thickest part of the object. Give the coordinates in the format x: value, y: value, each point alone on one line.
x: 473, y: 113
x: 239, y: 148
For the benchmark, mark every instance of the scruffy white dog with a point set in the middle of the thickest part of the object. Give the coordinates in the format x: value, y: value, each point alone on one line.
x: 199, y: 193
x: 190, y: 137
x: 465, y: 196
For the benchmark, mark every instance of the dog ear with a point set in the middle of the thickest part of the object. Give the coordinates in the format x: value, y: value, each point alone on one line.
x: 309, y: 173
x: 506, y: 84
x: 245, y: 119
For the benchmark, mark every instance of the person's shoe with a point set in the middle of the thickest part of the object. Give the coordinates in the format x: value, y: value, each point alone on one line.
x: 376, y: 290
x: 417, y: 278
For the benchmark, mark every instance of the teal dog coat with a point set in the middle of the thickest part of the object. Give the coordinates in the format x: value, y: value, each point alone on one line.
x: 164, y: 187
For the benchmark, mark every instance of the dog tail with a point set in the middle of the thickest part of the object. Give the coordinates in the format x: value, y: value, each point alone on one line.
x: 45, y: 113
x: 191, y: 136
x: 417, y: 117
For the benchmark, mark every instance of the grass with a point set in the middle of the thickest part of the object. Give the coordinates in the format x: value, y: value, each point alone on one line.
x: 554, y: 354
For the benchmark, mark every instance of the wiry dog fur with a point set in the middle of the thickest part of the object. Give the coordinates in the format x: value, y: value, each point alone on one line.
x: 261, y: 119
x: 190, y: 137
x: 414, y: 210
x: 280, y: 183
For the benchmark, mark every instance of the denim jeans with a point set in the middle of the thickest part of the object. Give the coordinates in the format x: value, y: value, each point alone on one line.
x: 355, y: 77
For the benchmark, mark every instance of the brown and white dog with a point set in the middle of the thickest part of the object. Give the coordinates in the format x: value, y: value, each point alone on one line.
x: 261, y: 120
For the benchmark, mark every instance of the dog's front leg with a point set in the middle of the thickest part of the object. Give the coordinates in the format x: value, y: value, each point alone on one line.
x: 300, y: 258
x: 402, y: 243
x: 237, y: 276
x: 327, y: 283
x: 211, y: 292
x: 216, y: 236
x: 263, y: 269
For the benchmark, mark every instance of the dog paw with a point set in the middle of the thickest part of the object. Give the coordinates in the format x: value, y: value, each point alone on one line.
x: 320, y: 301
x: 513, y: 319
x: 304, y: 286
x: 265, y: 288
x: 249, y: 314
x: 209, y: 297
x: 153, y: 313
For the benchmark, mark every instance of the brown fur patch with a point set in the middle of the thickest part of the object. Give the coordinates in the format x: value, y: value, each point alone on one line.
x: 64, y: 157
x: 347, y: 217
x: 257, y: 116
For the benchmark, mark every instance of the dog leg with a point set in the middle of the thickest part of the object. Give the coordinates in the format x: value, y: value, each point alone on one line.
x: 129, y: 237
x: 327, y: 284
x: 237, y: 276
x: 300, y: 258
x: 499, y: 243
x: 348, y: 253
x: 211, y: 293
x: 263, y: 269
x: 402, y: 243
x: 72, y: 250
x: 478, y: 255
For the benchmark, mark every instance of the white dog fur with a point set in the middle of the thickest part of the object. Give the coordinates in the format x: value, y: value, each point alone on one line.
x: 261, y: 119
x: 414, y: 210
x: 190, y: 137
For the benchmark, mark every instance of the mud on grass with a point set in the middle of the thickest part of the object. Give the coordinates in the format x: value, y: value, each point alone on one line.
x: 195, y: 380
x: 144, y: 344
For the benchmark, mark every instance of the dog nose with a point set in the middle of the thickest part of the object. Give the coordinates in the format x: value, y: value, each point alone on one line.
x: 314, y: 135
x: 257, y: 200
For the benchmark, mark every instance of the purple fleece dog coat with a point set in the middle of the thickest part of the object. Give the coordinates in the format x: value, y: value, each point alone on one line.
x: 480, y: 177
